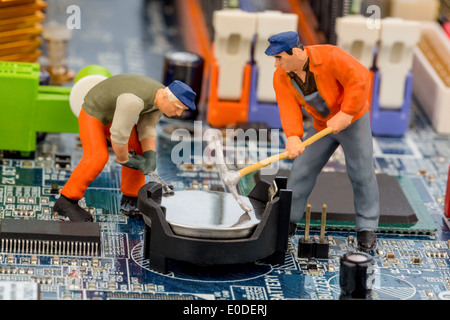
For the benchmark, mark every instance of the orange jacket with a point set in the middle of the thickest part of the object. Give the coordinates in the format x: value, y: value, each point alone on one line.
x: 342, y: 81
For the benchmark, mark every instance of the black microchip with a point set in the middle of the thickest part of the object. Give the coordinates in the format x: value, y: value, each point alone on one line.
x: 62, y: 161
x: 50, y: 236
x: 335, y: 190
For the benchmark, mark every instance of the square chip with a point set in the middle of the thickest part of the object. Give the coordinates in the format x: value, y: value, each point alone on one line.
x: 335, y: 190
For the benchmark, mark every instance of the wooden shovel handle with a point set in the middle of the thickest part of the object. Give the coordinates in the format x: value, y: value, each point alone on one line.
x: 283, y: 155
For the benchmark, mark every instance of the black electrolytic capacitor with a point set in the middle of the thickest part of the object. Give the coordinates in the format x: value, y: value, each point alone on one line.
x: 188, y: 68
x: 357, y: 275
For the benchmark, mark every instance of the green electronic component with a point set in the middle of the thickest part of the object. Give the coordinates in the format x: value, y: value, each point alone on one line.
x: 27, y: 107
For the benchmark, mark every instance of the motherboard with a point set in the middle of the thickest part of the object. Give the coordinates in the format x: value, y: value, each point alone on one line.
x: 411, y: 261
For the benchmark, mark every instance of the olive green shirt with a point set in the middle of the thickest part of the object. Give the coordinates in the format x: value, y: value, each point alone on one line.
x: 122, y: 100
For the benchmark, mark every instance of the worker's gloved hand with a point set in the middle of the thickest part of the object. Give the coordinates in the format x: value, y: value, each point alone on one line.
x: 149, y: 161
x: 145, y: 163
x: 134, y: 162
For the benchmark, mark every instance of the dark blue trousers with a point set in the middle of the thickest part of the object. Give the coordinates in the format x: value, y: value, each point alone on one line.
x: 356, y: 141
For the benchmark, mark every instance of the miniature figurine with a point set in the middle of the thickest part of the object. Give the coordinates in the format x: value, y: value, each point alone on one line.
x: 333, y: 87
x: 124, y: 109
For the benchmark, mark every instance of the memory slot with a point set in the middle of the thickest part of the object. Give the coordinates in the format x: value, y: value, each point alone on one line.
x: 434, y: 51
x: 49, y: 237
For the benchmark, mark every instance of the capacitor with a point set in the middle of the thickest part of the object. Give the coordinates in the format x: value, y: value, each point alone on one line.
x: 188, y: 68
x: 357, y: 275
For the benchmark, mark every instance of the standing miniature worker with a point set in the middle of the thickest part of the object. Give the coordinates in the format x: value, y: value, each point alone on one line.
x: 333, y: 87
x: 124, y: 109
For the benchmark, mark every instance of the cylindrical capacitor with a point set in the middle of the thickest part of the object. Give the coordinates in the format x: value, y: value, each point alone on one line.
x: 356, y: 276
x: 188, y: 68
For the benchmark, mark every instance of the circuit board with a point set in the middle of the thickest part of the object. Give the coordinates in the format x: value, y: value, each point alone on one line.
x: 410, y: 265
x: 412, y: 262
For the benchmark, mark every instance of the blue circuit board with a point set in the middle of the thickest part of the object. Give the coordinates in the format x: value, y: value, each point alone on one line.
x: 411, y: 263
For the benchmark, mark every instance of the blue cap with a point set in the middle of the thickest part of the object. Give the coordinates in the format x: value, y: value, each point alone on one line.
x: 184, y: 93
x: 281, y: 42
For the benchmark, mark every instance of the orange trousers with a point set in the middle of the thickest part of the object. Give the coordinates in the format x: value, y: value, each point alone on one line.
x: 93, y: 136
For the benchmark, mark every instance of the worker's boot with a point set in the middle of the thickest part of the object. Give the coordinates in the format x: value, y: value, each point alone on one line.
x: 70, y: 208
x: 128, y: 206
x: 367, y: 241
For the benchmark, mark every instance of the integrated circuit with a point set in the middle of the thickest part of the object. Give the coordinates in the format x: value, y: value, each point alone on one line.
x: 398, y: 213
x: 50, y: 237
x: 63, y: 161
x: 335, y: 190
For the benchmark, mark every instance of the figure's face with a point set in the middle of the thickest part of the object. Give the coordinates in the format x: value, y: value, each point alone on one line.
x: 284, y: 61
x: 170, y: 108
x: 291, y: 63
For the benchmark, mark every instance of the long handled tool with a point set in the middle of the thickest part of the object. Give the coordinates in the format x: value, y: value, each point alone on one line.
x: 168, y: 188
x: 231, y: 178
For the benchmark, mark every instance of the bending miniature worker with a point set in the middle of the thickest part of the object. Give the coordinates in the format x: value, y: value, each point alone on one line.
x: 124, y: 109
x: 333, y: 87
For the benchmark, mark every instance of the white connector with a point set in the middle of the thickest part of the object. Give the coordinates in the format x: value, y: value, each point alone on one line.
x: 419, y: 10
x: 269, y: 23
x: 234, y: 30
x: 398, y: 40
x: 357, y: 38
x: 429, y: 71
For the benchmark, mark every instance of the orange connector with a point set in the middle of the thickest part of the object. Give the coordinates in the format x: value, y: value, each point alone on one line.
x: 372, y: 77
x: 222, y: 113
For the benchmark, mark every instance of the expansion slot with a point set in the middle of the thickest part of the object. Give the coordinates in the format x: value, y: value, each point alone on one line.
x: 445, y: 8
x: 432, y: 48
